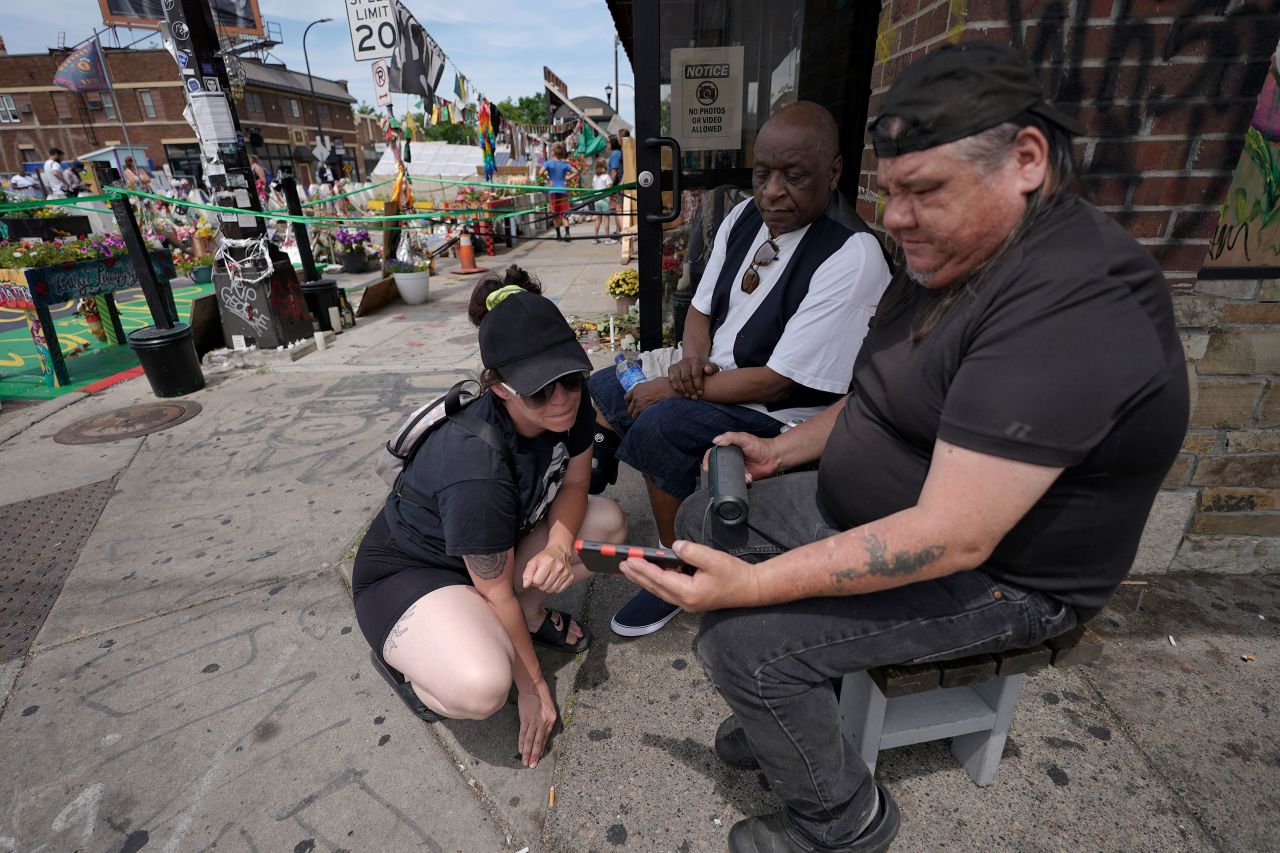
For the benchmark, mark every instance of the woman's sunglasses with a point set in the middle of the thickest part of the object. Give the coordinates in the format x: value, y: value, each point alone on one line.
x: 765, y: 255
x: 572, y: 382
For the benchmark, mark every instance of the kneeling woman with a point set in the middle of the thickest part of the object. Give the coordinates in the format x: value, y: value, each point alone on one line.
x: 450, y: 596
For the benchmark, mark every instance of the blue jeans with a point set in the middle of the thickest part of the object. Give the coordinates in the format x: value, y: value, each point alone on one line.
x: 774, y: 665
x: 667, y: 441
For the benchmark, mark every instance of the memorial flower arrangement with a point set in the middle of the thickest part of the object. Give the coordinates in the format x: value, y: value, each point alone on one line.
x: 186, y: 262
x: 203, y: 228
x: 623, y: 283
x: 17, y: 254
x: 352, y: 239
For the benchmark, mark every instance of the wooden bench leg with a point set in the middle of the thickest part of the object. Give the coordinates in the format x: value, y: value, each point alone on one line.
x: 979, y: 753
x: 862, y: 708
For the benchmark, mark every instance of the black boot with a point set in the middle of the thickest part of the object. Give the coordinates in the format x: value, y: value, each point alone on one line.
x: 604, y: 460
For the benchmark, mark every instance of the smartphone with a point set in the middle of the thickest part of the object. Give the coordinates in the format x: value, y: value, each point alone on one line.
x: 604, y: 558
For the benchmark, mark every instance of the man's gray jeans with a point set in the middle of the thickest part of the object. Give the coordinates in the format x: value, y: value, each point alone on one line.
x: 774, y: 665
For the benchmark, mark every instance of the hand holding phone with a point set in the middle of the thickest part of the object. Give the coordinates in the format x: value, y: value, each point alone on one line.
x: 604, y: 557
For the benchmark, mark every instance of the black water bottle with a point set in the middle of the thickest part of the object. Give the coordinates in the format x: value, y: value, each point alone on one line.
x: 728, y: 478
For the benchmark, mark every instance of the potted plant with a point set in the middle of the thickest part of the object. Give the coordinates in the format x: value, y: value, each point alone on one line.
x: 352, y: 256
x: 198, y: 268
x: 412, y: 280
x: 624, y: 286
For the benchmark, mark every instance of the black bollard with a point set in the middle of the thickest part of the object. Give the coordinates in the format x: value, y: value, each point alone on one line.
x: 165, y: 350
x: 321, y: 294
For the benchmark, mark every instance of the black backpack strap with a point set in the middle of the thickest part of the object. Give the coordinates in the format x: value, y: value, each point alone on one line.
x: 481, y: 429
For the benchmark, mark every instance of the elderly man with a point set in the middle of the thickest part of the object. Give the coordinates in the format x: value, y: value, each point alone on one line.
x: 1018, y: 399
x: 774, y: 327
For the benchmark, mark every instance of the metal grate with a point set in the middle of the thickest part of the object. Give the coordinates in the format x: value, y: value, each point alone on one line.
x: 129, y: 422
x: 40, y: 541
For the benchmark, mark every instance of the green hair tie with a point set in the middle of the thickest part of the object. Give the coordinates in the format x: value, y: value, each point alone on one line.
x: 492, y: 300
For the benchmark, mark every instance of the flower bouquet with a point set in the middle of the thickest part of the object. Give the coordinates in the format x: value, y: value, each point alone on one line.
x: 624, y: 286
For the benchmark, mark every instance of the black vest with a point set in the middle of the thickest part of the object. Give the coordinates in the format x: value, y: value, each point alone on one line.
x: 769, y: 316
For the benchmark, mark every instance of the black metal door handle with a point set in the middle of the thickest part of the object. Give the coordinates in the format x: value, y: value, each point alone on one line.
x: 668, y: 142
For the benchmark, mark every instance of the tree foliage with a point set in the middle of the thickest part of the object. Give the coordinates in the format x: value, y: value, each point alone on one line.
x: 528, y: 109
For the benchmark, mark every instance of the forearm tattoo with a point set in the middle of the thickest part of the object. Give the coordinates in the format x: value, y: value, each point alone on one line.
x: 882, y: 562
x: 486, y: 566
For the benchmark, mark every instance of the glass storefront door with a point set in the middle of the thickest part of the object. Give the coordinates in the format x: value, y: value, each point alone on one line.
x: 708, y: 74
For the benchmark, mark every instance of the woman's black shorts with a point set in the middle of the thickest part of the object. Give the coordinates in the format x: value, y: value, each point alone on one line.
x: 386, y: 581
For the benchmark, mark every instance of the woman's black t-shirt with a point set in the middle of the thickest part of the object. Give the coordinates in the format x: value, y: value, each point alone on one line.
x: 481, y: 510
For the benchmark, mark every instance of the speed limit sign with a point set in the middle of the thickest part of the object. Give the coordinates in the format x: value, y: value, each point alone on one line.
x: 382, y: 82
x: 373, y: 28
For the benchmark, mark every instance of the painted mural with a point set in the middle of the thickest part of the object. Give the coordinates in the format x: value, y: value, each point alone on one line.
x: 1248, y: 233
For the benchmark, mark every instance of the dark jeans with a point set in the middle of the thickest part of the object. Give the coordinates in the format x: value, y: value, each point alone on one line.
x: 667, y: 441
x: 774, y: 665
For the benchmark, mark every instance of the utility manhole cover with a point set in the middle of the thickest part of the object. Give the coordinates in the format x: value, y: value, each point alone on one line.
x: 130, y: 422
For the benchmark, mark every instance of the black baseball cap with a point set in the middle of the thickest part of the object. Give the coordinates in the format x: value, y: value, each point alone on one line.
x: 957, y: 91
x: 526, y: 339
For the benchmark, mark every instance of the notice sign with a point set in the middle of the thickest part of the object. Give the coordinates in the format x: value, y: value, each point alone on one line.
x: 706, y: 97
x: 373, y: 29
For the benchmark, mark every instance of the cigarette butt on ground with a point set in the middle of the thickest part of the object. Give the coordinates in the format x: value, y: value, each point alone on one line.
x: 1247, y: 658
x: 551, y: 796
x: 1172, y: 641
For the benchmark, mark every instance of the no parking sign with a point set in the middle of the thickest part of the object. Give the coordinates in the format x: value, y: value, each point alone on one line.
x: 382, y: 82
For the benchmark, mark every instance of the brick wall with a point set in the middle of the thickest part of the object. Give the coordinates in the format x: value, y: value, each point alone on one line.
x: 1166, y: 89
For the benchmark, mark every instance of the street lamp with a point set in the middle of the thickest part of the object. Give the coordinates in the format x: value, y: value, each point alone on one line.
x: 315, y: 105
x: 608, y: 95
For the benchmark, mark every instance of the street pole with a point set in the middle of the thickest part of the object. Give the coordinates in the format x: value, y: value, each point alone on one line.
x: 617, y: 90
x: 258, y: 294
x: 315, y: 105
x: 106, y: 70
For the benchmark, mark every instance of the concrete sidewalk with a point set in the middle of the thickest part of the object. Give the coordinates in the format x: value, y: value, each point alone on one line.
x: 200, y: 681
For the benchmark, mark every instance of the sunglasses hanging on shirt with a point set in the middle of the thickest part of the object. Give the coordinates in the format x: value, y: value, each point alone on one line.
x: 765, y: 255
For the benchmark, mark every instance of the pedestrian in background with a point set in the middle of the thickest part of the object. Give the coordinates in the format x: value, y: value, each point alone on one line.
x: 602, y: 181
x: 558, y: 172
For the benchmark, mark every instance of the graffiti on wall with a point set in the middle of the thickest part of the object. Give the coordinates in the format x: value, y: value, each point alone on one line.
x: 1248, y: 233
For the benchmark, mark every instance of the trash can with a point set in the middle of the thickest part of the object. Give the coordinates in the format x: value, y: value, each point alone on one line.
x: 321, y: 296
x: 168, y: 358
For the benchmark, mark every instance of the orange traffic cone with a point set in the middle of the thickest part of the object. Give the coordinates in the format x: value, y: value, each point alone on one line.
x: 467, y: 254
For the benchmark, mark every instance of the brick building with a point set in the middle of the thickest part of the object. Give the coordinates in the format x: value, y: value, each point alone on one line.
x: 277, y: 113
x: 1167, y: 89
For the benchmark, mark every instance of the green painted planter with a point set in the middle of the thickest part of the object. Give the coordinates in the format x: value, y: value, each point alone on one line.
x: 202, y: 275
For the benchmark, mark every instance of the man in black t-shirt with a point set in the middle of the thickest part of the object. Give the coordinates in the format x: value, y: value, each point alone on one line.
x: 1017, y: 401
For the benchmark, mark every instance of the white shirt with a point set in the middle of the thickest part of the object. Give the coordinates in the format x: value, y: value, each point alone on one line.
x: 53, y: 177
x: 601, y: 182
x: 822, y: 338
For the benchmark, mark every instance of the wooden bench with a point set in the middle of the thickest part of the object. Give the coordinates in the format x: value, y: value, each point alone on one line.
x: 969, y: 700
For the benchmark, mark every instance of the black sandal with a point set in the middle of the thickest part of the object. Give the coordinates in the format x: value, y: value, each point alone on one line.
x: 554, y: 630
x: 404, y: 690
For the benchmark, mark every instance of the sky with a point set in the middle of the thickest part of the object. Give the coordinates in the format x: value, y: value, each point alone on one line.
x: 500, y: 45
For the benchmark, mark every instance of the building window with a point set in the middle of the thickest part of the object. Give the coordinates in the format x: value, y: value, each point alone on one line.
x: 146, y: 103
x: 253, y: 102
x: 61, y: 105
x: 108, y: 105
x: 322, y: 112
x: 8, y: 112
x: 295, y: 109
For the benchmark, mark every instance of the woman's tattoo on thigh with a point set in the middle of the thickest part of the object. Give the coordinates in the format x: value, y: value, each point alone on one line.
x: 398, y: 630
x: 486, y: 566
